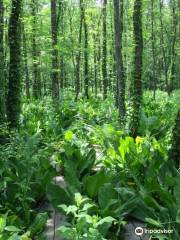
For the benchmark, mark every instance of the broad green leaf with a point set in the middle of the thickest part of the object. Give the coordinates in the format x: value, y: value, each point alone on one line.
x: 57, y: 195
x: 94, y: 182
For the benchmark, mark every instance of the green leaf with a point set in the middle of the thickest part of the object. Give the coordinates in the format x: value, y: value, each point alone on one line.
x: 178, y: 216
x: 58, y: 195
x: 2, y: 223
x: 93, y: 183
x: 12, y: 229
x: 109, y: 201
x: 68, y: 136
x: 104, y: 224
x: 39, y: 223
x: 153, y: 222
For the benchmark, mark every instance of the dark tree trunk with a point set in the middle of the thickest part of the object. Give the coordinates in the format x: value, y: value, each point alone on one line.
x: 104, y: 50
x: 55, y: 65
x: 95, y: 65
x: 86, y: 63
x: 2, y: 65
x: 153, y: 49
x: 173, y: 44
x: 165, y: 66
x: 138, y: 64
x: 27, y: 79
x: 35, y: 53
x: 62, y: 65
x: 118, y: 31
x: 13, y: 99
x: 78, y: 56
x: 174, y: 153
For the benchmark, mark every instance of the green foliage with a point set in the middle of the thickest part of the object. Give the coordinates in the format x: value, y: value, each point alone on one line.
x: 109, y: 176
x: 84, y: 225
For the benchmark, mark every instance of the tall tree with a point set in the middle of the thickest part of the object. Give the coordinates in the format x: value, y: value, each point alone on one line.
x: 173, y: 44
x: 35, y: 53
x: 13, y: 98
x: 118, y: 31
x: 174, y: 152
x: 2, y: 65
x: 162, y: 41
x: 104, y: 48
x: 78, y: 55
x: 55, y: 65
x: 86, y: 57
x: 138, y: 64
x: 153, y: 48
x: 26, y: 69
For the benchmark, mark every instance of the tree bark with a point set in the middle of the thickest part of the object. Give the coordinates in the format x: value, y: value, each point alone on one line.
x: 78, y: 56
x: 27, y: 79
x: 174, y: 153
x: 35, y: 53
x: 55, y: 65
x: 165, y: 65
x: 86, y: 59
x: 118, y: 25
x: 104, y: 50
x: 13, y: 99
x: 153, y: 49
x: 138, y: 64
x: 2, y: 65
x: 173, y: 44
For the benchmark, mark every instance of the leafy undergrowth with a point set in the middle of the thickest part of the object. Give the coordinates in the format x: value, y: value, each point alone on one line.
x: 109, y: 176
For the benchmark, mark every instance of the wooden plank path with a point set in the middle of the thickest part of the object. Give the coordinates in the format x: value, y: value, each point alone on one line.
x: 129, y: 231
x: 56, y: 219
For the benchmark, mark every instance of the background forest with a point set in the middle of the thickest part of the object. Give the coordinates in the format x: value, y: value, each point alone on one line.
x: 89, y: 90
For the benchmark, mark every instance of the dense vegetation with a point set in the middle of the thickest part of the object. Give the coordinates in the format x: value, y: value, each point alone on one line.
x: 89, y: 90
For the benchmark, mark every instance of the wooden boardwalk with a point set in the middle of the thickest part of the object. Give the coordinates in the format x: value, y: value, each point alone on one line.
x: 56, y: 219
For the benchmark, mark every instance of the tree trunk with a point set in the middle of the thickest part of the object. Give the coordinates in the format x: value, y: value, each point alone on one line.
x: 86, y: 63
x: 35, y: 53
x: 118, y: 31
x: 173, y: 43
x: 13, y: 99
x: 78, y: 56
x: 27, y: 79
x: 165, y: 66
x: 95, y: 64
x: 138, y: 64
x: 153, y: 49
x: 54, y: 32
x: 174, y: 153
x: 104, y: 50
x: 2, y: 65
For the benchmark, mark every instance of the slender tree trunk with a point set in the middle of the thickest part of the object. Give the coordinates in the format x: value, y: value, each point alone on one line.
x: 95, y: 64
x: 138, y: 64
x: 173, y: 43
x: 165, y: 66
x: 78, y: 56
x: 153, y: 48
x: 54, y: 32
x: 174, y: 153
x: 118, y: 24
x: 13, y: 99
x: 86, y: 59
x: 104, y: 51
x: 35, y: 53
x: 27, y: 79
x: 2, y: 65
x: 62, y: 55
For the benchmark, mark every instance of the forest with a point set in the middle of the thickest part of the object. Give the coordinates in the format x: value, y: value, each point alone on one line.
x: 90, y: 95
